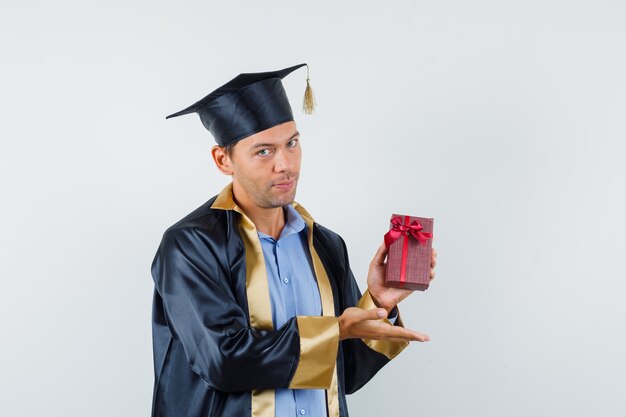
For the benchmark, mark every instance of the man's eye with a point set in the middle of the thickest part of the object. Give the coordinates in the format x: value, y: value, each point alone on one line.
x: 263, y: 152
x: 292, y: 143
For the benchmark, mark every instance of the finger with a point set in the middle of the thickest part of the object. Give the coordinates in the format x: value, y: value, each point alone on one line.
x: 389, y: 332
x: 416, y: 336
x: 432, y: 274
x: 433, y: 259
x: 424, y: 338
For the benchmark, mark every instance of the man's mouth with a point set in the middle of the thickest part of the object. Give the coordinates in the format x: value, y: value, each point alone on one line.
x: 285, y: 185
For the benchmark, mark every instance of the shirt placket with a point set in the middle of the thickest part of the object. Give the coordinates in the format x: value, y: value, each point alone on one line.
x: 286, y: 276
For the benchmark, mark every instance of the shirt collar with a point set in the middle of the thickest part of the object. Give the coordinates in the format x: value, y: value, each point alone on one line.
x: 297, y: 218
x: 293, y: 224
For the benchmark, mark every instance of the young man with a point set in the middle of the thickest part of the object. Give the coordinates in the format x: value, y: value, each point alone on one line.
x: 256, y: 311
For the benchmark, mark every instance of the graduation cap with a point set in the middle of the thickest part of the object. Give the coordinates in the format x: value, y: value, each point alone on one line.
x: 247, y: 104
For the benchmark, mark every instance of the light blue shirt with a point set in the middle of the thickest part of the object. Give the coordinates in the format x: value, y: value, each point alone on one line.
x: 293, y: 292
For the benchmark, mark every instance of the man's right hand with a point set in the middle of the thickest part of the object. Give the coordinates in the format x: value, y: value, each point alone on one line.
x: 357, y: 323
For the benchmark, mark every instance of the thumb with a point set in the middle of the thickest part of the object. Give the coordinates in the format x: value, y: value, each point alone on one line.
x: 374, y: 314
x: 379, y: 257
x: 356, y: 314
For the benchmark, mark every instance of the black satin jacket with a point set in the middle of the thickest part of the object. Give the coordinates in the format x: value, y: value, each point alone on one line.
x: 207, y: 357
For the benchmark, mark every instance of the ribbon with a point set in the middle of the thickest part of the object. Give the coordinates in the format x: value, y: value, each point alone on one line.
x: 399, y: 230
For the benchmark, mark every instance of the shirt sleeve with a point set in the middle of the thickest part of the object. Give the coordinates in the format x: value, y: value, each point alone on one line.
x: 393, y: 316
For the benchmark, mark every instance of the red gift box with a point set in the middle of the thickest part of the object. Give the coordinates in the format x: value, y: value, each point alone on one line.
x: 409, y: 244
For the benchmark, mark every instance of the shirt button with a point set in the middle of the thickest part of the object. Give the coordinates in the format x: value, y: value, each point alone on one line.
x: 302, y: 411
x: 286, y: 281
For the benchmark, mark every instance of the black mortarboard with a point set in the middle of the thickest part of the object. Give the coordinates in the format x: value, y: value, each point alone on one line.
x: 247, y: 104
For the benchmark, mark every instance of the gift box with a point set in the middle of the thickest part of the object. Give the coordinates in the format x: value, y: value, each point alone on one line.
x: 409, y: 244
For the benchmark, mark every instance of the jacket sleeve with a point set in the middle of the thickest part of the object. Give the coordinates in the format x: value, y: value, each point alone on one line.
x: 202, y: 313
x: 363, y: 358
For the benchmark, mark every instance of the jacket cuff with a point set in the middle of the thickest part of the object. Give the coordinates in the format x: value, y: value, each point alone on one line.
x: 387, y: 347
x: 319, y: 341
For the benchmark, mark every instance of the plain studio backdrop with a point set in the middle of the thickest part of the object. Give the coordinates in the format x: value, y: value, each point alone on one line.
x: 502, y: 120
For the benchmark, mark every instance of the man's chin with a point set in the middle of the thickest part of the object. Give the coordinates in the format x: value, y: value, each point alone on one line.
x: 283, y: 200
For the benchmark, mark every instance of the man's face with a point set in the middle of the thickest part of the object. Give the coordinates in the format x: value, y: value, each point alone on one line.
x: 266, y: 166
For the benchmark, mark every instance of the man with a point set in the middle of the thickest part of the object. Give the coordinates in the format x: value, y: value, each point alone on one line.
x: 256, y: 311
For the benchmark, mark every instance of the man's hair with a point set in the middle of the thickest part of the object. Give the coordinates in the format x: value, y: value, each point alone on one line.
x: 228, y: 149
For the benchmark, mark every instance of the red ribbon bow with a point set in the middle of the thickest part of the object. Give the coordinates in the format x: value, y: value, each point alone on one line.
x: 398, y: 230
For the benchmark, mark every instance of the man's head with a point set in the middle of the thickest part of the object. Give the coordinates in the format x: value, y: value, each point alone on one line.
x: 257, y: 142
x: 265, y: 167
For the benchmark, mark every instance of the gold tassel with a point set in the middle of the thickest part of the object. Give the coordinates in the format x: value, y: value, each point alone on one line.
x: 308, y: 104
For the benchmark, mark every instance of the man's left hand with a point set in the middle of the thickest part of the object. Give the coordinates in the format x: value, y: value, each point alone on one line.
x: 387, y: 297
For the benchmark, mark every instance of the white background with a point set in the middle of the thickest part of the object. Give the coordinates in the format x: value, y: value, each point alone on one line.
x: 502, y: 120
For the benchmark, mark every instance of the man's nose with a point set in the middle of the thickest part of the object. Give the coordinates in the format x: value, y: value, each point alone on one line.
x: 283, y: 161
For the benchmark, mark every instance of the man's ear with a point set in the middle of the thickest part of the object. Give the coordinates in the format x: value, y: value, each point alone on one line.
x: 222, y: 160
